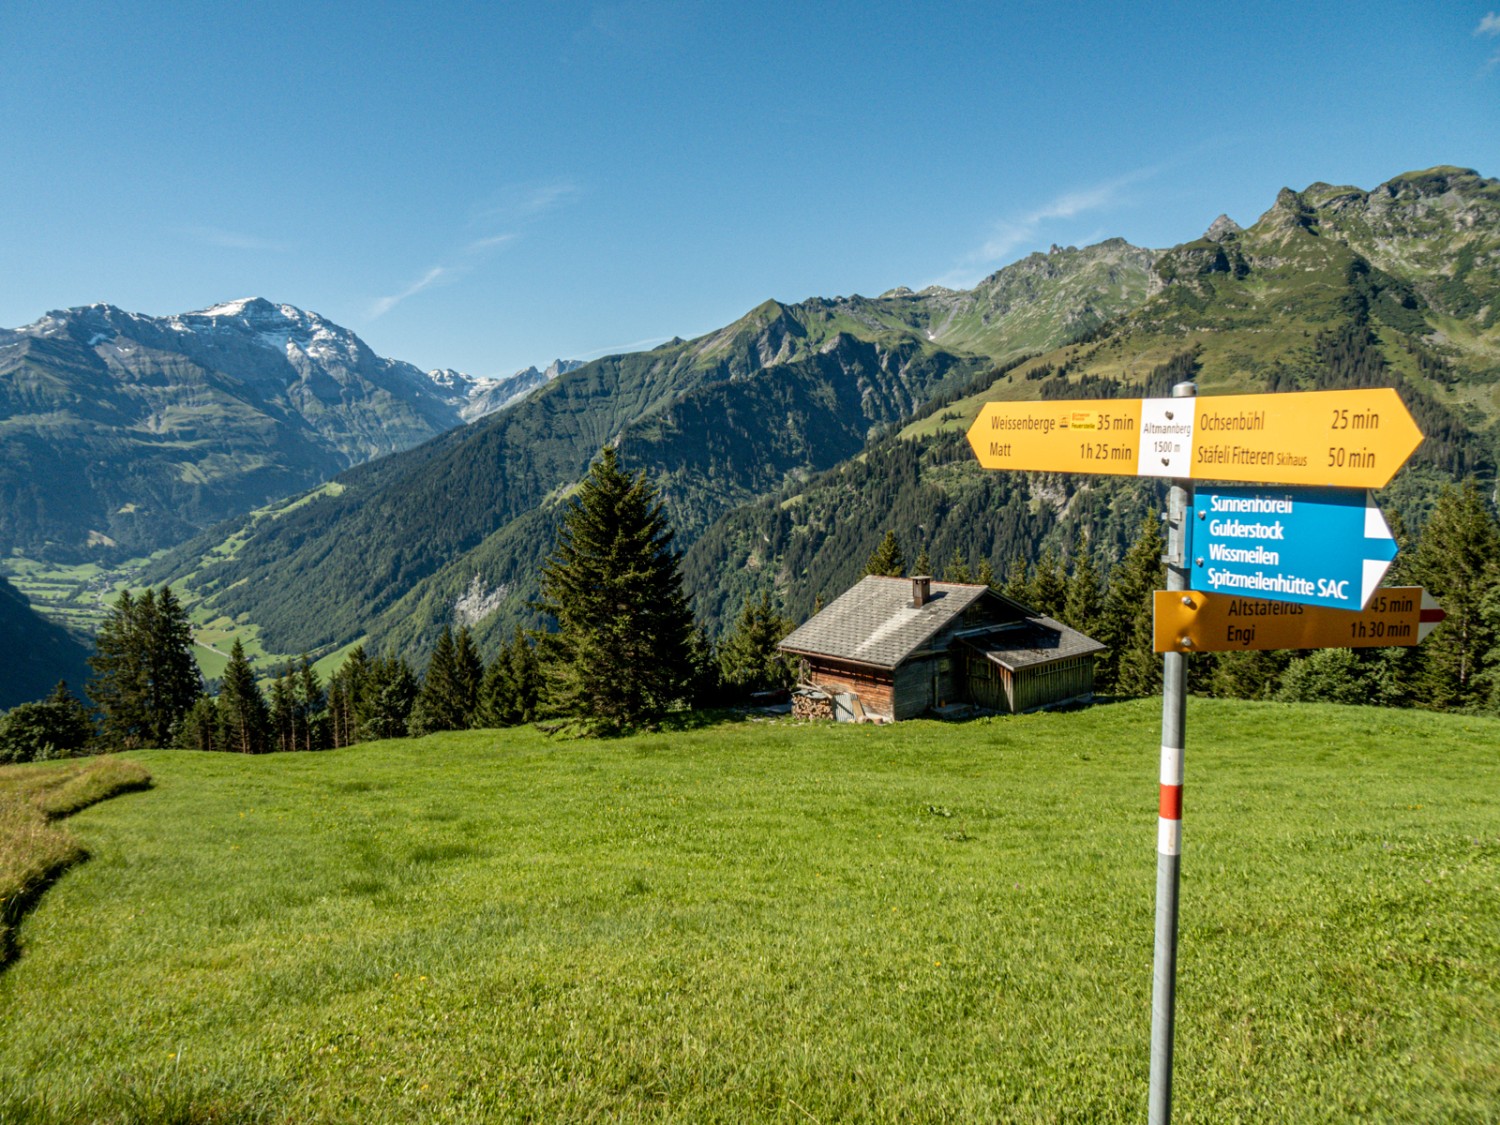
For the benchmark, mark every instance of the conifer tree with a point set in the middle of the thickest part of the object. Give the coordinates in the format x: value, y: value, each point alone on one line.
x: 1083, y: 603
x: 450, y: 690
x: 957, y: 569
x: 312, y: 707
x: 1458, y: 561
x: 145, y: 678
x: 243, y: 715
x: 749, y: 660
x: 510, y: 693
x: 1249, y: 674
x: 202, y: 727
x: 385, y: 704
x: 923, y: 565
x: 283, y: 711
x: 174, y: 676
x: 1129, y: 666
x: 887, y: 560
x: 1017, y: 580
x: 1048, y: 589
x: 614, y: 585
x: 986, y: 575
x: 346, y: 688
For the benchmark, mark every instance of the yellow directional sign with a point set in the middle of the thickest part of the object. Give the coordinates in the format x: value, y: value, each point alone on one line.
x: 1192, y: 621
x: 1351, y: 439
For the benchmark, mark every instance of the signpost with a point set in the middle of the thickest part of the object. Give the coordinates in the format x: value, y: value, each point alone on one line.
x: 1351, y: 439
x: 1322, y: 554
x: 1193, y: 621
x: 1326, y: 546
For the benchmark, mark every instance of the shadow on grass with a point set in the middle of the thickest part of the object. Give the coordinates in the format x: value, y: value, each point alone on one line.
x: 675, y: 721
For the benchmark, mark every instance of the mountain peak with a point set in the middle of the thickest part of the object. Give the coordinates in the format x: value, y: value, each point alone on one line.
x: 1221, y: 228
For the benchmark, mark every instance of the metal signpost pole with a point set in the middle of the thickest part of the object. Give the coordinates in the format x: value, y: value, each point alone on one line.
x: 1169, y: 823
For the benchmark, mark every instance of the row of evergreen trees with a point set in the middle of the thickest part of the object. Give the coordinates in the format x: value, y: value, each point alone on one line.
x: 1457, y: 559
x: 626, y: 650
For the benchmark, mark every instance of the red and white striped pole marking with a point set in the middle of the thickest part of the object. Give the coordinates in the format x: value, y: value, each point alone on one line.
x: 1169, y: 812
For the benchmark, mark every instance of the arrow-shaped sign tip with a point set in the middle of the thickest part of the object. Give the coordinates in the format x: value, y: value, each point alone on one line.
x: 1432, y: 615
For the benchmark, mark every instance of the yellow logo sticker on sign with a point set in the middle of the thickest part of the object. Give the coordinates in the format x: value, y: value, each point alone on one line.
x: 1349, y: 439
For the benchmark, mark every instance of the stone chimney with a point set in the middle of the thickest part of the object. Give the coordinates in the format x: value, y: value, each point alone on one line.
x: 921, y: 590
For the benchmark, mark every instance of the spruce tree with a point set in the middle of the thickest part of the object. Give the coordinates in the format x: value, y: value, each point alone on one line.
x: 117, y: 687
x: 1130, y: 666
x: 957, y: 569
x: 1048, y: 589
x: 923, y: 565
x: 1458, y: 561
x: 449, y: 694
x: 1017, y: 580
x: 346, y: 688
x: 614, y: 585
x: 202, y: 727
x: 385, y: 705
x: 986, y: 575
x: 1083, y: 602
x: 145, y: 678
x: 1249, y: 674
x: 312, y: 707
x: 175, y: 680
x: 510, y: 693
x: 887, y: 560
x: 749, y: 660
x: 282, y: 716
x: 243, y: 715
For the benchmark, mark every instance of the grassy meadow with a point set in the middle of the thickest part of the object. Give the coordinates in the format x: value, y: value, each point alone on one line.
x: 766, y: 921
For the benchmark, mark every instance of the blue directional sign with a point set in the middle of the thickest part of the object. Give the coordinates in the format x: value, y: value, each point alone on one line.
x: 1318, y: 546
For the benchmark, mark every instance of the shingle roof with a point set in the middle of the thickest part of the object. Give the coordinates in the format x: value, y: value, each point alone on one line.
x: 1037, y: 640
x: 874, y: 621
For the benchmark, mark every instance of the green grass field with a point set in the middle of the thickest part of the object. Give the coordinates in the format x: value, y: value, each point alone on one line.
x: 763, y: 921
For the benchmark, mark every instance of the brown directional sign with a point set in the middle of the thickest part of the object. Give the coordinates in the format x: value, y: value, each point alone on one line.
x: 1192, y: 621
x: 1350, y: 439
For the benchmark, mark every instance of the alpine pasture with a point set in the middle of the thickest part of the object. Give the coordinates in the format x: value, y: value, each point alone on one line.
x: 765, y: 921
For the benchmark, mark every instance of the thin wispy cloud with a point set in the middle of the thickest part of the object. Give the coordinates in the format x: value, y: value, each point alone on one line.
x: 1489, y: 28
x: 480, y: 245
x: 1008, y: 235
x: 517, y: 203
x: 513, y: 207
x: 465, y: 259
x: 383, y: 305
x: 234, y: 240
x: 623, y: 349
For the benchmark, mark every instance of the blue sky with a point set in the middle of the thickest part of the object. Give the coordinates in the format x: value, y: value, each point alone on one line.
x: 489, y: 186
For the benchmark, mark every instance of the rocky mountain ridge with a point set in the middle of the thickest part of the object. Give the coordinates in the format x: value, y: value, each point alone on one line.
x: 123, y: 432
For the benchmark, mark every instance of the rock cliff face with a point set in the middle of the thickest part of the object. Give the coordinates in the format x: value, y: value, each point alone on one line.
x: 123, y: 433
x: 1429, y: 241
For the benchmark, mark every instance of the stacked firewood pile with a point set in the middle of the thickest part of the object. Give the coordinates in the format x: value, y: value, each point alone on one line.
x: 810, y: 703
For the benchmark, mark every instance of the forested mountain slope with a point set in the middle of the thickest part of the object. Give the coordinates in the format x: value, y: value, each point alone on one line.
x: 717, y: 421
x: 735, y: 425
x: 1332, y: 287
x: 38, y: 653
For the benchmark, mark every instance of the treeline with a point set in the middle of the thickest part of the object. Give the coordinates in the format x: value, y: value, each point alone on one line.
x: 1456, y: 559
x: 626, y: 652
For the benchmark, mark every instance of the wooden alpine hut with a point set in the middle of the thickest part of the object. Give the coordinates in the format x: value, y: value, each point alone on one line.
x: 895, y: 648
